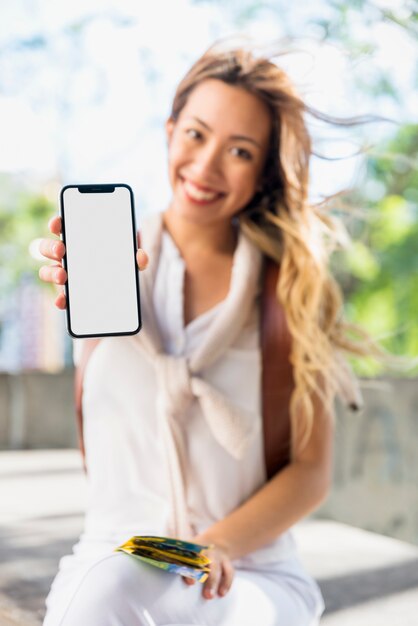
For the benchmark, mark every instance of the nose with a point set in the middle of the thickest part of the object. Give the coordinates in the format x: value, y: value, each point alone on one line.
x: 207, y: 162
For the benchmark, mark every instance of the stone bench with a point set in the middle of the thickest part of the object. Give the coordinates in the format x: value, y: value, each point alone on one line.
x: 366, y: 578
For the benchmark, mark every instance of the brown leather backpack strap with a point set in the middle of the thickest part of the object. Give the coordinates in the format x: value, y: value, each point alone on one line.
x: 277, y: 374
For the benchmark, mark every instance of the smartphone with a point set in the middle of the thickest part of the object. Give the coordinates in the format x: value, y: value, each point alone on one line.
x: 99, y: 233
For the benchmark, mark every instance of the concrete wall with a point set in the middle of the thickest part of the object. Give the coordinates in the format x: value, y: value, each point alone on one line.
x: 376, y: 462
x: 37, y: 410
x: 376, y: 451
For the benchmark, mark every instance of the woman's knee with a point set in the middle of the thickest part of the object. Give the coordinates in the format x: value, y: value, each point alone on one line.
x: 112, y: 593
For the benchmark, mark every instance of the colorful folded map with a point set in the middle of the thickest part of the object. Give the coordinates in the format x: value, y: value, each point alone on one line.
x: 173, y: 555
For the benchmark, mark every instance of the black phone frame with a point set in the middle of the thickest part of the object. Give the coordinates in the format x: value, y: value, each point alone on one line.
x: 99, y: 188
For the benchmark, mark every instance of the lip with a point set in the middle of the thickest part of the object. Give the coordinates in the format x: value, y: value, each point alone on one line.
x: 201, y: 187
x: 200, y: 201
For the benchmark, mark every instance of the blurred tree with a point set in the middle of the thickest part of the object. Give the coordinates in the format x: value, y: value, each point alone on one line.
x: 44, y: 69
x: 24, y: 215
x: 379, y: 274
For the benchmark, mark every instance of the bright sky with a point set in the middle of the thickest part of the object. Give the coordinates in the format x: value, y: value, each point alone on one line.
x: 90, y: 113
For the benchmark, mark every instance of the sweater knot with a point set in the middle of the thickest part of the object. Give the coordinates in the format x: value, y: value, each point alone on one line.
x: 173, y: 376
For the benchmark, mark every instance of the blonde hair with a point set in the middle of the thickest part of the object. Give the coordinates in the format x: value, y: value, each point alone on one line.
x: 298, y: 235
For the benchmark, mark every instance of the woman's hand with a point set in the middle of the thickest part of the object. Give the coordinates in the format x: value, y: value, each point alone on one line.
x: 221, y: 573
x: 55, y: 250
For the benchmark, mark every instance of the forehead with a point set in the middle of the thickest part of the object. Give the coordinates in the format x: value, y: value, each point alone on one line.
x: 228, y: 107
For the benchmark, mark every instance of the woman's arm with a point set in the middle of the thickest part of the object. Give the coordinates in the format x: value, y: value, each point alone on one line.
x: 292, y: 494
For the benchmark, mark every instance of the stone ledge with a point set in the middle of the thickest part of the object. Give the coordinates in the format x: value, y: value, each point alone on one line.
x: 366, y: 578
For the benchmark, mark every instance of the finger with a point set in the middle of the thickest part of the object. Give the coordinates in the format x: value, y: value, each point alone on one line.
x: 52, y: 249
x: 227, y: 576
x: 211, y: 583
x: 53, y: 274
x: 61, y: 301
x: 188, y: 581
x: 54, y: 225
x: 142, y: 259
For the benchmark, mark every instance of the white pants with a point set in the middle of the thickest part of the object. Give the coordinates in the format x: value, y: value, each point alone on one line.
x: 119, y: 590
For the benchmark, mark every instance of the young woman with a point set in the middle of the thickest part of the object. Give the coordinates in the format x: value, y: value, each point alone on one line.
x: 173, y: 424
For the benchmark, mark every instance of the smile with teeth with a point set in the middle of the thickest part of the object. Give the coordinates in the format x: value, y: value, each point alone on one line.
x: 198, y: 194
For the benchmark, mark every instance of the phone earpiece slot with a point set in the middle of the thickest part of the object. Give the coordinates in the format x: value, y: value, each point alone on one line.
x: 96, y: 188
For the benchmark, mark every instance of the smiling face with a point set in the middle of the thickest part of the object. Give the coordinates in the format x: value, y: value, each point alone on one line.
x: 217, y: 151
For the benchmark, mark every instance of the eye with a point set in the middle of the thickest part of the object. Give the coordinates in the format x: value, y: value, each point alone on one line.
x: 243, y: 154
x: 193, y: 133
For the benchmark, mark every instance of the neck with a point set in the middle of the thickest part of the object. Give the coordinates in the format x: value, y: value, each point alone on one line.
x: 190, y: 237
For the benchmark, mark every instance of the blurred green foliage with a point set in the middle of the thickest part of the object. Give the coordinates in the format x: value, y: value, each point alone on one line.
x: 24, y: 216
x: 379, y: 273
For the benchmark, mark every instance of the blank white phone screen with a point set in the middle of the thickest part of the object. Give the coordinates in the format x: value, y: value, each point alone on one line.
x: 100, y: 254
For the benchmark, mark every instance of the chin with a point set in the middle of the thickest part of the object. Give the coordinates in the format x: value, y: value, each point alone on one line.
x: 189, y: 211
x: 196, y: 216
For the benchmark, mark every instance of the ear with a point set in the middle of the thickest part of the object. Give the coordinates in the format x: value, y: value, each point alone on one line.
x: 169, y: 128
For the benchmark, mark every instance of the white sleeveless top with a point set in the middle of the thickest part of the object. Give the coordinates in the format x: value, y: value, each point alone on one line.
x: 127, y: 466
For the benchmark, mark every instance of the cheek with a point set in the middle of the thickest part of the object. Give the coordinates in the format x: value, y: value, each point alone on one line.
x: 244, y: 183
x: 174, y: 163
x: 173, y: 155
x: 178, y: 156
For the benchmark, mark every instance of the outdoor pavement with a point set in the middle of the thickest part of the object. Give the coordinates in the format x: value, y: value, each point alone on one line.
x: 366, y: 579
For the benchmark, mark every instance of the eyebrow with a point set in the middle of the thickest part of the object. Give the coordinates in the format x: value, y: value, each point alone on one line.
x: 236, y: 137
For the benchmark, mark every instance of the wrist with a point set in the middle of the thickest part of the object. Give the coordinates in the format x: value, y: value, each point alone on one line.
x: 214, y: 541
